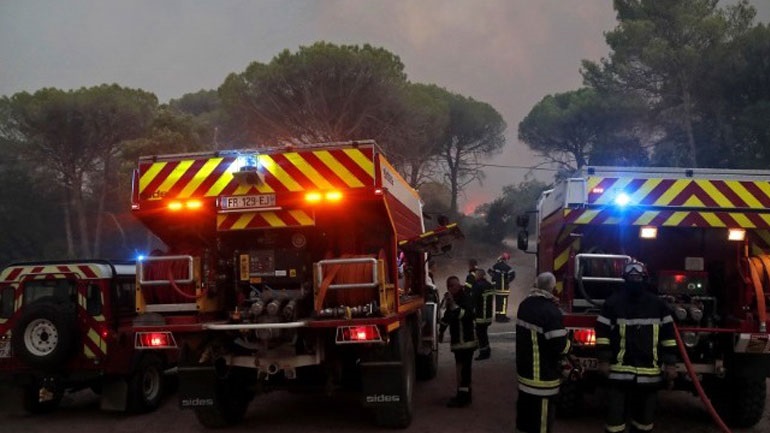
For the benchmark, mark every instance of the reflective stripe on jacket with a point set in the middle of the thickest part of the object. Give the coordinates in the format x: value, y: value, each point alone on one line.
x: 460, y: 322
x: 483, y: 298
x: 541, y: 341
x: 635, y: 334
x: 502, y: 275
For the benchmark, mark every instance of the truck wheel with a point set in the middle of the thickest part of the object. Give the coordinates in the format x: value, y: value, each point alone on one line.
x: 399, y: 415
x: 45, y: 336
x: 146, y: 385
x: 427, y: 353
x: 232, y: 398
x: 570, y: 400
x: 30, y: 399
x: 741, y: 401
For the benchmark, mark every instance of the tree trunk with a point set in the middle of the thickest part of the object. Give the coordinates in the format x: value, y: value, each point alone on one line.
x: 453, y: 164
x: 80, y: 210
x: 100, y: 206
x: 693, y: 157
x: 68, y: 223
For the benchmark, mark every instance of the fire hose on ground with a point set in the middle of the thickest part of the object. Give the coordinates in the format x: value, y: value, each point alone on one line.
x: 701, y: 393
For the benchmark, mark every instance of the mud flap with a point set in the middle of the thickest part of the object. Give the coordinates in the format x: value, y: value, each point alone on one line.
x: 382, y: 383
x: 114, y: 392
x: 197, y: 387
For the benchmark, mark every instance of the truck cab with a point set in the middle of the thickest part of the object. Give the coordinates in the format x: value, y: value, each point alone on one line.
x: 69, y: 325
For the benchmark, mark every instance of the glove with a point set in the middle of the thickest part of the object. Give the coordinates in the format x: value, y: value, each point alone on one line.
x: 604, y: 368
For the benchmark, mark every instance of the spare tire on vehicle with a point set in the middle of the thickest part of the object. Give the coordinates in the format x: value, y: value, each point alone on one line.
x: 44, y: 337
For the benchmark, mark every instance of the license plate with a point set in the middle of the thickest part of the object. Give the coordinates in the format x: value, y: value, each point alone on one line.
x: 589, y: 363
x: 5, y: 349
x: 247, y: 201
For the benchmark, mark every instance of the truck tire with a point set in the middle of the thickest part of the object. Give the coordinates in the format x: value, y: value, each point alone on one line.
x: 232, y: 397
x: 44, y: 337
x: 740, y: 401
x: 399, y: 415
x: 427, y: 363
x: 30, y: 400
x: 569, y: 402
x: 146, y: 385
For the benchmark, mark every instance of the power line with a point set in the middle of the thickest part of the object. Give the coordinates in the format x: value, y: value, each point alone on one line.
x: 519, y: 167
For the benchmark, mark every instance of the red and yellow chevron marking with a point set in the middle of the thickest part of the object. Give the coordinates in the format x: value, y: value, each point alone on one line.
x: 265, y: 220
x: 724, y: 194
x: 667, y: 218
x: 279, y: 172
x: 94, y: 345
x: 564, y: 246
x: 85, y: 271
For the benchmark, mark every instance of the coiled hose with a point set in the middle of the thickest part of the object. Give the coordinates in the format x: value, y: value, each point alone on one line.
x: 701, y: 393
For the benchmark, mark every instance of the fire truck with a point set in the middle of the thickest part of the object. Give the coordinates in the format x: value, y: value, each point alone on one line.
x: 299, y: 267
x: 71, y: 325
x: 705, y: 237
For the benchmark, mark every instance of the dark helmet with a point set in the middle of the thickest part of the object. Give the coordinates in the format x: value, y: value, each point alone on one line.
x: 635, y: 271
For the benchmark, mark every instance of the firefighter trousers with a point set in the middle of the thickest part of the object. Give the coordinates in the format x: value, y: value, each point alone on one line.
x: 482, y: 333
x: 501, y: 305
x: 535, y: 413
x: 463, y: 362
x: 635, y: 403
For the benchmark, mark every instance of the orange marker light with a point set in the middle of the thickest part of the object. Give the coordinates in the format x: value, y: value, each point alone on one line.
x: 175, y: 205
x: 313, y: 197
x: 194, y: 204
x: 333, y: 196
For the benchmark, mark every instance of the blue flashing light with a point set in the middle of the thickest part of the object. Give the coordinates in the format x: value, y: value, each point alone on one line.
x: 245, y: 163
x: 622, y: 199
x: 140, y: 257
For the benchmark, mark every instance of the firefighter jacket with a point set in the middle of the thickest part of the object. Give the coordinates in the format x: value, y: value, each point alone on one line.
x: 502, y: 275
x: 541, y: 342
x: 634, y: 333
x: 460, y: 321
x: 470, y: 279
x: 483, y: 299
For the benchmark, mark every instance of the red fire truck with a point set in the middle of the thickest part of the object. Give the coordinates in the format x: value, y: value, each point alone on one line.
x: 299, y: 267
x: 705, y: 237
x: 70, y: 325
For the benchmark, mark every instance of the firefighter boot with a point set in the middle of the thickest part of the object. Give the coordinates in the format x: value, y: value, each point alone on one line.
x: 462, y: 399
x: 484, y: 353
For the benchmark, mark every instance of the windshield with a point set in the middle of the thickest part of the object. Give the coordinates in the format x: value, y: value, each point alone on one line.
x: 59, y: 290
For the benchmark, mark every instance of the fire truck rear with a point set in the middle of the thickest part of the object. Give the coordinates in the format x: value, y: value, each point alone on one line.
x: 705, y: 236
x: 300, y: 267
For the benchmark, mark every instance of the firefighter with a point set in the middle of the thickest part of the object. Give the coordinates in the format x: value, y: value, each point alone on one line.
x: 483, y: 298
x: 541, y: 344
x: 458, y: 317
x: 502, y: 276
x: 634, y: 334
x: 473, y: 265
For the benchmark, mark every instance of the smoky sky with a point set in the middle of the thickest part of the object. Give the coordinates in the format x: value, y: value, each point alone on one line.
x: 509, y: 53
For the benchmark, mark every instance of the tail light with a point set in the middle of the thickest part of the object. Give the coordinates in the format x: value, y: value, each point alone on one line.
x: 584, y: 337
x: 154, y: 340
x: 358, y: 334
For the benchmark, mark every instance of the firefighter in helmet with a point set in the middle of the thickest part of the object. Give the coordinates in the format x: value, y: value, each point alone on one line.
x: 635, y: 338
x: 458, y: 318
x: 541, y: 344
x: 473, y: 265
x: 502, y: 276
x: 483, y: 298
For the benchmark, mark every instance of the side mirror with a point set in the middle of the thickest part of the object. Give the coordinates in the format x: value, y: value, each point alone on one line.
x: 522, y: 221
x: 522, y: 241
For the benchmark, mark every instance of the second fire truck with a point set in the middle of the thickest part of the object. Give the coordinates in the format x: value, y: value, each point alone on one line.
x: 705, y: 237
